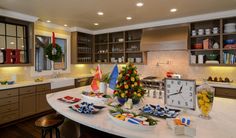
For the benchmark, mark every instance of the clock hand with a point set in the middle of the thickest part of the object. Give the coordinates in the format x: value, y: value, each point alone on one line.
x: 180, y: 89
x: 174, y: 93
x: 177, y: 92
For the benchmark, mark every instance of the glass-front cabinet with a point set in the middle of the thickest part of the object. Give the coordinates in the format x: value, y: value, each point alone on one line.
x: 15, y: 42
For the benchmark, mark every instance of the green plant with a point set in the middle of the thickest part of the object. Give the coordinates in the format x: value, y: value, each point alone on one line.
x: 105, y: 78
x: 128, y: 84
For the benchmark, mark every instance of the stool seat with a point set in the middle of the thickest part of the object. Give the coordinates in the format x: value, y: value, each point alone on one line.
x: 52, y: 120
x: 48, y: 123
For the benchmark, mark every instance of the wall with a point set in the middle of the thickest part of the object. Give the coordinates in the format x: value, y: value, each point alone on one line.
x: 178, y: 59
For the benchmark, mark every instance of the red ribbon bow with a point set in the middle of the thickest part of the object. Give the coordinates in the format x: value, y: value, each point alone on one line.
x: 53, y: 40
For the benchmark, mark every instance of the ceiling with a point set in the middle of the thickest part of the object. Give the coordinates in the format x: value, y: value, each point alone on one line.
x: 83, y: 13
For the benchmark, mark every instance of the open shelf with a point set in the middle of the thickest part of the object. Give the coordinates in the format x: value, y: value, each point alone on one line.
x: 204, y: 49
x: 224, y: 55
x: 211, y: 35
x: 116, y: 44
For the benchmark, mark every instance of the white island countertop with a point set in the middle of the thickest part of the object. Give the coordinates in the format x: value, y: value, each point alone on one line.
x: 221, y: 125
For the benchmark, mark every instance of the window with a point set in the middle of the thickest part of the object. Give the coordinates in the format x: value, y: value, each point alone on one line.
x: 61, y: 64
x: 14, y: 37
x: 44, y: 66
x: 41, y: 60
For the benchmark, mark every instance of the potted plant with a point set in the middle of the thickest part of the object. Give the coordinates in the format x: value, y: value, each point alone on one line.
x: 129, y: 85
x: 103, y: 83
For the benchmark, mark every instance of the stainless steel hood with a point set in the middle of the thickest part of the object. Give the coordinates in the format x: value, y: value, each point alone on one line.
x: 165, y: 38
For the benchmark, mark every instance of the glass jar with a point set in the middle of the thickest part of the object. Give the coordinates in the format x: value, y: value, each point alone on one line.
x: 205, y: 97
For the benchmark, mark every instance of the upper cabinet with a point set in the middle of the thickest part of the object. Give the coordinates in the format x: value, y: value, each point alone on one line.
x: 81, y: 48
x: 165, y: 38
x: 16, y: 42
x: 213, y: 42
x: 119, y: 47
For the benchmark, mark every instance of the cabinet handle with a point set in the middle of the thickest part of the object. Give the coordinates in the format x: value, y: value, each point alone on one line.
x: 9, y: 94
x: 9, y: 101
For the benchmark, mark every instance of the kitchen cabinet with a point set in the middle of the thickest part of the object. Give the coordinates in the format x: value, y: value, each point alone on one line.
x: 22, y: 102
x: 83, y: 81
x: 82, y: 48
x: 41, y: 102
x: 119, y: 47
x: 209, y: 39
x: 27, y: 101
x: 166, y: 38
x: 9, y: 105
x: 16, y: 42
x: 225, y: 92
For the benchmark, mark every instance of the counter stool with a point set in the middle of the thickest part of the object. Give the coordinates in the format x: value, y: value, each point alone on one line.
x: 48, y: 123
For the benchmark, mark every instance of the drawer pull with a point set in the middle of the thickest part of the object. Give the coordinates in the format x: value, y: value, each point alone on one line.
x: 9, y: 94
x: 9, y: 101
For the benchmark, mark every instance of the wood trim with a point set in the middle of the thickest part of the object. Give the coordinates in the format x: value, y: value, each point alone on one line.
x: 64, y: 88
x: 74, y: 38
x: 225, y: 92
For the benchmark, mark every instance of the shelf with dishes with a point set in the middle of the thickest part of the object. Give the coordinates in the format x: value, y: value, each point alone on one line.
x: 119, y: 47
x: 82, y: 48
x: 213, y: 42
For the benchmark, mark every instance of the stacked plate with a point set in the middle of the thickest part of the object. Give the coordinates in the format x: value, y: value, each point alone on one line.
x: 230, y: 27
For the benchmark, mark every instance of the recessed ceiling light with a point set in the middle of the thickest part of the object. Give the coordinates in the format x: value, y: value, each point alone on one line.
x: 48, y: 21
x: 173, y: 10
x: 128, y: 18
x: 96, y: 24
x: 100, y: 13
x: 65, y: 25
x: 139, y: 4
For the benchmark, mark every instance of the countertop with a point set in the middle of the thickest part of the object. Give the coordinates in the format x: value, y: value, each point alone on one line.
x: 221, y: 125
x: 31, y: 83
x: 218, y: 84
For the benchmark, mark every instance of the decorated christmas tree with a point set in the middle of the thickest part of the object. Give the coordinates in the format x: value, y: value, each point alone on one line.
x: 129, y: 85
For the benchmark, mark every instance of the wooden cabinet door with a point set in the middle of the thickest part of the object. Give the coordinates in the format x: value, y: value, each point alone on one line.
x: 27, y: 105
x: 42, y: 104
x: 225, y: 93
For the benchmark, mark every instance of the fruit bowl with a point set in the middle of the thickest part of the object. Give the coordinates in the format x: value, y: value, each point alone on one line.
x: 211, y: 56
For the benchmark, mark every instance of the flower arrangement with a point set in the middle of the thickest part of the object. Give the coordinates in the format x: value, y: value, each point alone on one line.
x: 128, y: 84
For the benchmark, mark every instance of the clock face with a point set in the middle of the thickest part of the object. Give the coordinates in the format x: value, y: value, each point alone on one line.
x: 180, y: 93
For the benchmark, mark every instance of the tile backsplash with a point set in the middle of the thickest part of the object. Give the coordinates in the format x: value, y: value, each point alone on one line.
x: 178, y: 62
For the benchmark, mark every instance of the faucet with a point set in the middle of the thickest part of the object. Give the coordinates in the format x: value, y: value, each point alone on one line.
x: 56, y: 74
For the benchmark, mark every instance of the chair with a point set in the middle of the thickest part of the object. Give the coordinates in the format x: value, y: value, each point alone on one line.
x: 48, y: 123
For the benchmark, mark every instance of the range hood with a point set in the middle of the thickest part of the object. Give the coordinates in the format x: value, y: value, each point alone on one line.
x: 165, y: 38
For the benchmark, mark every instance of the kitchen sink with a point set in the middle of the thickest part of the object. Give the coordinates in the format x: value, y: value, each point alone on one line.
x: 61, y: 82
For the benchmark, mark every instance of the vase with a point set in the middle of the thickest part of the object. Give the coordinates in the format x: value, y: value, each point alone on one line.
x: 122, y: 100
x: 136, y: 101
x: 205, y: 97
x: 103, y: 87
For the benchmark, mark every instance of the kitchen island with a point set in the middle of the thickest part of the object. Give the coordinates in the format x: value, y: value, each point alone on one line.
x: 221, y: 125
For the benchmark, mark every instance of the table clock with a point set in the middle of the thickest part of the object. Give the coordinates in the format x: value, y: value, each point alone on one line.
x: 180, y: 93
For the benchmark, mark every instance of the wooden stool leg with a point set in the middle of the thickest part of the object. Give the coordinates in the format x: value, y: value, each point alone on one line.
x: 43, y: 133
x: 57, y: 133
x: 50, y: 133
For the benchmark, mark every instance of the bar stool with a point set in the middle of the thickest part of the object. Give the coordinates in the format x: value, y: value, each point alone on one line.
x: 48, y: 123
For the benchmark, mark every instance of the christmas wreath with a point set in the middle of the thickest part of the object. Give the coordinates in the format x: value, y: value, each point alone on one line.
x: 49, y: 52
